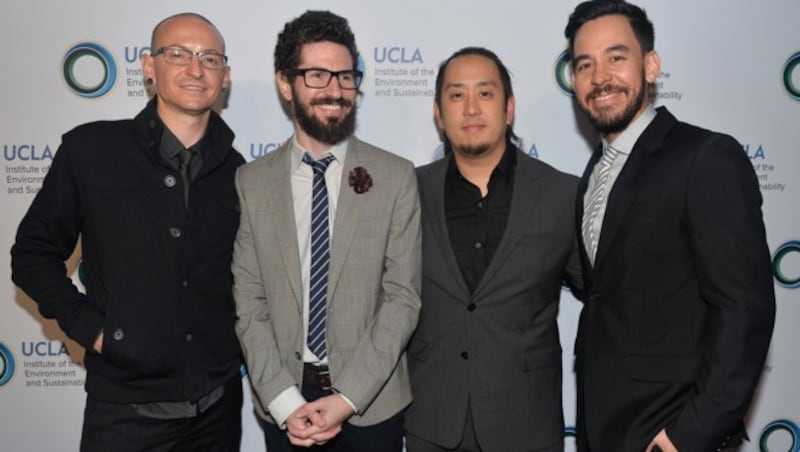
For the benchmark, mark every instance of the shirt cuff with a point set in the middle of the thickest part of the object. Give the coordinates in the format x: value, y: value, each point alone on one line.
x: 285, y: 404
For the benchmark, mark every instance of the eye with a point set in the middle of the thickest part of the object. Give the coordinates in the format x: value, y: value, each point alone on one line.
x: 486, y: 94
x: 212, y: 59
x: 582, y: 66
x: 315, y: 74
x: 346, y: 76
x: 456, y: 95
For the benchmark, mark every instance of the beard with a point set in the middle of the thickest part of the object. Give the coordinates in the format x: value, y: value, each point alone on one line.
x: 604, y: 120
x: 473, y: 150
x: 333, y: 130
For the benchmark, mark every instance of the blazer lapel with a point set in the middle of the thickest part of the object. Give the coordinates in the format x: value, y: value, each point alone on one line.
x: 526, y: 193
x: 347, y: 216
x: 629, y: 181
x: 279, y: 193
x: 433, y: 185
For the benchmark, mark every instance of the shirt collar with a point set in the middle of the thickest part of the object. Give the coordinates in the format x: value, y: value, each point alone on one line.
x: 170, y: 146
x: 339, y: 152
x: 626, y: 140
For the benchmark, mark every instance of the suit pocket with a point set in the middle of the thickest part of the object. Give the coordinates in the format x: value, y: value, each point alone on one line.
x: 419, y: 350
x: 539, y: 359
x: 664, y: 368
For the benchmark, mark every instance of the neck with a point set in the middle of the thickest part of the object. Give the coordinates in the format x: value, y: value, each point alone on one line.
x: 478, y: 168
x: 189, y: 129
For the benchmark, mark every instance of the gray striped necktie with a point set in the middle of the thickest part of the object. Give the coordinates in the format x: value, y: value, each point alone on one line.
x: 590, y: 213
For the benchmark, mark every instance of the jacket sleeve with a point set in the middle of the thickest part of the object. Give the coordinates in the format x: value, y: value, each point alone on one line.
x: 46, y: 237
x: 268, y: 373
x: 379, y: 349
x: 728, y: 240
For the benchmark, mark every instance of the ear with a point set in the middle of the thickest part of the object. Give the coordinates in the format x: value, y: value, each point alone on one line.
x: 226, y: 78
x: 652, y: 66
x: 510, y: 107
x: 284, y: 85
x: 437, y: 115
x: 148, y: 67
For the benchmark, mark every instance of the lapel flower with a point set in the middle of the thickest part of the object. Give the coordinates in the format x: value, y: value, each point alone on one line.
x: 360, y: 180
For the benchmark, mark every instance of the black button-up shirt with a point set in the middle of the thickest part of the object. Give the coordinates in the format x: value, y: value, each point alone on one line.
x: 476, y: 224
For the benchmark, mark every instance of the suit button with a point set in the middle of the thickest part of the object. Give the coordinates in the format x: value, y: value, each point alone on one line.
x: 471, y: 307
x: 464, y: 355
x: 478, y: 245
x: 118, y: 334
x: 188, y: 337
x: 298, y: 356
x: 175, y: 233
x: 170, y: 180
x: 184, y: 283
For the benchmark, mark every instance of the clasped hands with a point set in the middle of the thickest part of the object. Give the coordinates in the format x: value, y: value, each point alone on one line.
x: 318, y: 422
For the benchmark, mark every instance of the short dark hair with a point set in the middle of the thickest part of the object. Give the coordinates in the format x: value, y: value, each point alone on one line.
x: 593, y: 9
x: 311, y: 27
x: 505, y: 76
x: 505, y: 79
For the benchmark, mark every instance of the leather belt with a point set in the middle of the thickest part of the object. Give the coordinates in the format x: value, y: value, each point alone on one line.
x: 317, y: 376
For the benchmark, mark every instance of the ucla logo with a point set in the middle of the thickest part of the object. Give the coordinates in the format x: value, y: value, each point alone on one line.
x: 80, y: 75
x: 562, y: 75
x: 780, y: 270
x: 791, y: 76
x: 780, y: 425
x: 6, y: 364
x: 26, y: 152
x: 397, y: 55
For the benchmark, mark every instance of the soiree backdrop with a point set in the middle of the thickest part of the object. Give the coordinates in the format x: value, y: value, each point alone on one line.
x: 727, y: 65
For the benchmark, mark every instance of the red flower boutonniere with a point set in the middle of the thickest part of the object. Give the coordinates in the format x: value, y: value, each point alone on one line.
x: 360, y: 180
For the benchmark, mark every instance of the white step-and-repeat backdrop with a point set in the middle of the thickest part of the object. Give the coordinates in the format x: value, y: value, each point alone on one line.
x: 728, y: 65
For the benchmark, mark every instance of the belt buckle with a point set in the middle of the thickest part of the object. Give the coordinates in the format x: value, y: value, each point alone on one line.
x: 324, y: 379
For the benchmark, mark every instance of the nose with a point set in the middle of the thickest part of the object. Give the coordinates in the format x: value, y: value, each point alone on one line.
x: 195, y: 69
x: 600, y: 74
x: 334, y: 89
x: 471, y: 106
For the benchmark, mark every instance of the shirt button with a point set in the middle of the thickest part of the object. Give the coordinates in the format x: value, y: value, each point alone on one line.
x: 152, y: 123
x: 118, y: 334
x: 480, y: 205
x: 478, y: 245
x: 175, y: 233
x: 188, y: 337
x: 184, y: 283
x: 464, y: 355
x: 170, y: 180
x: 471, y: 307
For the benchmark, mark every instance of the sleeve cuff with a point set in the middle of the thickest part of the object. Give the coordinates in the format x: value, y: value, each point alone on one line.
x: 285, y: 404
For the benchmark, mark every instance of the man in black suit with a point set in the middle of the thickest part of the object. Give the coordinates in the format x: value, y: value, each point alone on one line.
x: 680, y: 304
x: 498, y: 240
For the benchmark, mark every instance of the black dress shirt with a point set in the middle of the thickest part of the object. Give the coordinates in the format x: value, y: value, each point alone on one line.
x: 476, y: 224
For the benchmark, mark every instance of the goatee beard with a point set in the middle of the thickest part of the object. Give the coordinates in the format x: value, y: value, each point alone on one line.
x: 329, y: 132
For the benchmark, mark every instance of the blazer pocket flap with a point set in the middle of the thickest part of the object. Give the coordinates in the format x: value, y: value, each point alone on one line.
x: 537, y: 359
x: 664, y: 368
x: 419, y: 350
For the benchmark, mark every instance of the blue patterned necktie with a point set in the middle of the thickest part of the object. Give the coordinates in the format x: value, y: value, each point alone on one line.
x: 320, y: 246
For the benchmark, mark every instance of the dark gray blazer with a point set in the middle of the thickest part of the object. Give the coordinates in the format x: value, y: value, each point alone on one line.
x: 498, y: 349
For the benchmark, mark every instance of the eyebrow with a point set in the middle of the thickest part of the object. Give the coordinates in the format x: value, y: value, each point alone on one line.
x: 615, y: 48
x: 482, y: 83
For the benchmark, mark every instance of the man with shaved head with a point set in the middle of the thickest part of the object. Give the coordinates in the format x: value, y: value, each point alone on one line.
x: 153, y: 202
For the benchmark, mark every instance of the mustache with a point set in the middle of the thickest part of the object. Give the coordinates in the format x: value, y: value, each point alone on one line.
x: 342, y: 102
x: 606, y: 89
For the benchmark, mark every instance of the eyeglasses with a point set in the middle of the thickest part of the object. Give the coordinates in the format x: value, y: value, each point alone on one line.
x: 182, y: 57
x: 320, y: 78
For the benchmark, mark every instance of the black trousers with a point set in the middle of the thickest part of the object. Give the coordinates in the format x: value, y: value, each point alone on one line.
x: 386, y: 436
x: 118, y: 427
